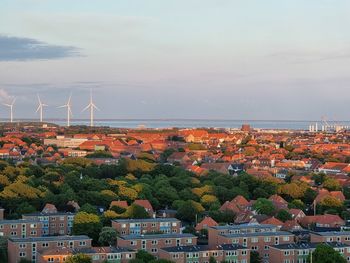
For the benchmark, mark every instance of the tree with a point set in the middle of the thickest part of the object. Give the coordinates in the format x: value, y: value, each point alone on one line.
x: 144, y: 256
x: 264, y: 206
x: 212, y: 260
x: 187, y: 210
x: 255, y: 257
x: 88, y: 209
x: 87, y: 224
x: 331, y: 184
x: 283, y: 215
x: 108, y: 236
x: 297, y: 203
x: 79, y: 258
x: 136, y: 211
x: 326, y: 254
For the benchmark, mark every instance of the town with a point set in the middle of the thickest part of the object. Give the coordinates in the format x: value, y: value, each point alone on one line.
x: 100, y: 194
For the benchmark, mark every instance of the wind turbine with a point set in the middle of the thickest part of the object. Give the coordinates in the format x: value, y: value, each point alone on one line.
x: 11, y: 108
x: 69, y: 109
x: 40, y: 108
x: 92, y: 107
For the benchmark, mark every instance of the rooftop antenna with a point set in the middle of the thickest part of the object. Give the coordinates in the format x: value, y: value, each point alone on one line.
x: 40, y: 108
x: 92, y: 107
x: 11, y: 108
x: 69, y: 109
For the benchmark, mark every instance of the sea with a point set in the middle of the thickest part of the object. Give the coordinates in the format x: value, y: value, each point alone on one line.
x: 196, y: 123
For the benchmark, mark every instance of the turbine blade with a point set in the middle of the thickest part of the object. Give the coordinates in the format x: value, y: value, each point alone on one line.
x: 88, y: 106
x: 38, y: 108
x: 39, y: 98
x: 5, y: 104
x: 63, y: 106
x: 93, y: 105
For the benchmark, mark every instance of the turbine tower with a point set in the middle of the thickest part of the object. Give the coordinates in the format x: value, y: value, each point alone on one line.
x: 69, y: 109
x: 92, y: 107
x: 40, y: 108
x: 11, y: 108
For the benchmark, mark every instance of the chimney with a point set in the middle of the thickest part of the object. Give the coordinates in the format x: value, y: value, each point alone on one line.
x: 2, y: 210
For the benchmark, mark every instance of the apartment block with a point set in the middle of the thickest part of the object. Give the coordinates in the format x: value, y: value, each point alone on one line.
x: 255, y: 237
x: 145, y: 226
x: 299, y: 252
x: 58, y: 223
x: 97, y: 254
x: 20, y: 228
x: 152, y: 243
x: 29, y: 248
x: 330, y: 236
x: 224, y: 253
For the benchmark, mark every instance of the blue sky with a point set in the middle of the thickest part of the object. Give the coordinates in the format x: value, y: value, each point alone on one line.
x: 222, y: 59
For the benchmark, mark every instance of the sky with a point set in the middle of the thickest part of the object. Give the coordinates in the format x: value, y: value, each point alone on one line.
x: 205, y: 59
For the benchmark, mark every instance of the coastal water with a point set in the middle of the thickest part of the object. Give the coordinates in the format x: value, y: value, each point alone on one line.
x: 187, y: 123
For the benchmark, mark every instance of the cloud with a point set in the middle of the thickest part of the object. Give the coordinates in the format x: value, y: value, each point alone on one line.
x: 23, y: 49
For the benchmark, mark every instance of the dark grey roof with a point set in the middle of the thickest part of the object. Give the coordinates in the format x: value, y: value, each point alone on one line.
x: 308, y: 245
x: 50, y: 214
x: 332, y: 233
x: 244, y: 226
x: 146, y: 220
x: 198, y: 248
x: 18, y: 221
x: 257, y: 234
x: 50, y: 238
x: 156, y: 236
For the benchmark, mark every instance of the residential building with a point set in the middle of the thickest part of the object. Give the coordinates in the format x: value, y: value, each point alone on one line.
x: 28, y: 248
x: 152, y: 243
x: 226, y: 252
x: 146, y: 226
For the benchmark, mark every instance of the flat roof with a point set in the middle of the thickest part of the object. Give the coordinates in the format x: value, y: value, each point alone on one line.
x: 244, y: 226
x: 277, y: 233
x: 146, y: 220
x: 308, y: 245
x: 19, y: 221
x: 197, y: 248
x: 156, y: 236
x: 331, y: 233
x: 50, y: 238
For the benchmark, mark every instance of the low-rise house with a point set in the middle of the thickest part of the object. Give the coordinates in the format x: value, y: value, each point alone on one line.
x: 205, y: 223
x: 333, y: 221
x: 28, y: 248
x: 296, y: 214
x: 147, y: 226
x: 278, y: 202
x: 222, y: 253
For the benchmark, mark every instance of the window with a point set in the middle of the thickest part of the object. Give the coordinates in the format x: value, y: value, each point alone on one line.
x: 286, y: 238
x: 168, y: 241
x: 60, y: 244
x: 32, y: 225
x: 176, y: 255
x: 33, y: 233
x: 174, y: 224
x: 266, y: 247
x: 255, y: 240
x: 13, y: 226
x: 22, y: 254
x: 244, y: 252
x: 154, y: 242
x: 254, y: 248
x: 45, y: 244
x: 286, y: 252
x: 189, y: 241
x: 267, y: 239
x: 154, y: 250
x: 82, y: 243
x: 13, y: 233
x: 133, y: 243
x: 123, y: 225
x: 22, y: 245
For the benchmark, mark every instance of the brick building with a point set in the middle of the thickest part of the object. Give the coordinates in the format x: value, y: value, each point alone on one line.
x: 222, y: 253
x: 28, y: 248
x: 152, y: 243
x: 144, y: 226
